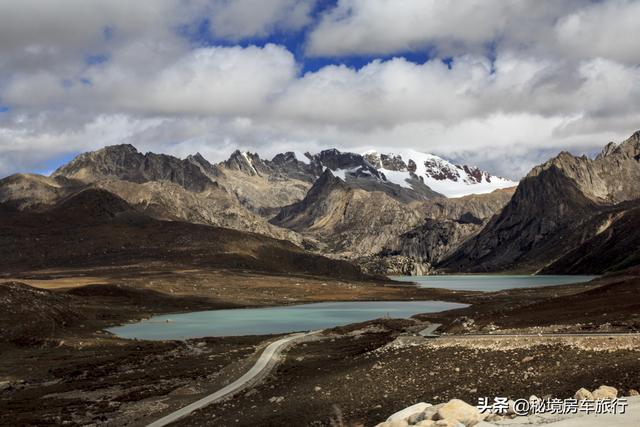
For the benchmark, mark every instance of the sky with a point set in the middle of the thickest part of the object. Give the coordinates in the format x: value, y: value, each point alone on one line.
x: 502, y: 84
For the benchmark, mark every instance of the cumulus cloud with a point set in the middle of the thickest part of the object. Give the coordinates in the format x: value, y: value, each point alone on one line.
x: 384, y: 27
x: 603, y: 29
x: 238, y: 19
x: 42, y: 35
x: 564, y: 28
x: 212, y: 80
x: 84, y: 74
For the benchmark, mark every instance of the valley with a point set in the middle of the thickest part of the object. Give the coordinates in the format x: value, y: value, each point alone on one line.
x: 116, y: 236
x: 77, y: 373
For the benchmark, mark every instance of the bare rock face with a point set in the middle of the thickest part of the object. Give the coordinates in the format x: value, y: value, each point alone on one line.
x: 306, y: 169
x: 559, y: 206
x: 316, y: 204
x: 214, y: 206
x: 383, y: 235
x: 613, y: 244
x: 398, y: 265
x: 350, y: 222
x: 362, y: 172
x: 249, y: 163
x: 432, y: 240
x: 387, y: 161
x: 448, y: 224
x: 36, y: 192
x: 263, y: 186
x: 162, y: 186
x: 126, y: 163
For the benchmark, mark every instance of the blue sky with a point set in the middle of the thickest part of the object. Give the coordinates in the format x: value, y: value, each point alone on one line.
x: 199, y: 33
x: 500, y: 85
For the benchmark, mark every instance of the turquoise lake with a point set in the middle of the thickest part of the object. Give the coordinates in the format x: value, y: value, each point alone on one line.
x: 272, y: 320
x: 488, y: 283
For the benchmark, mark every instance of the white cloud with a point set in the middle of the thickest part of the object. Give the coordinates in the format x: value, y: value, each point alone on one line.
x: 44, y: 35
x: 384, y: 27
x: 559, y: 82
x: 603, y: 29
x: 572, y: 28
x: 212, y: 80
x: 385, y: 93
x: 238, y: 19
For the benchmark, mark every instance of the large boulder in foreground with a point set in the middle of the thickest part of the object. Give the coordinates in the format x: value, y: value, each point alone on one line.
x: 460, y: 411
x: 583, y: 394
x: 605, y: 392
x: 408, y: 412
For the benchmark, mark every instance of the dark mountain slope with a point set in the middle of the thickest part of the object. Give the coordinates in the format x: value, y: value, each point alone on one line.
x: 555, y: 209
x: 97, y: 228
x: 535, y: 227
x: 615, y: 246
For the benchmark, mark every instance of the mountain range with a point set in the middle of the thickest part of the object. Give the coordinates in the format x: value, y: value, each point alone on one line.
x: 400, y: 213
x: 568, y: 215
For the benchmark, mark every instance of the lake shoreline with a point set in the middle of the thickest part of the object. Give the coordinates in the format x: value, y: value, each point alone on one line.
x: 159, y: 373
x: 271, y: 320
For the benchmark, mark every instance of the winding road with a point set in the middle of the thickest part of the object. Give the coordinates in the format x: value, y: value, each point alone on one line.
x: 430, y: 331
x: 270, y: 354
x: 261, y: 367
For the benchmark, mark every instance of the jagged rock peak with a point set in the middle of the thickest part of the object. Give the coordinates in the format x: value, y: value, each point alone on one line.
x: 328, y: 178
x: 204, y: 165
x: 410, y: 167
x: 125, y: 162
x: 290, y: 157
x: 286, y: 157
x: 392, y: 162
x: 326, y: 183
x: 608, y: 149
x: 628, y: 149
x: 342, y: 163
x: 197, y: 157
x: 247, y: 162
x: 631, y: 147
x: 117, y: 148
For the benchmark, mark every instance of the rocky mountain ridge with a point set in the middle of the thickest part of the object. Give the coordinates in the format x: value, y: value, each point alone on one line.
x: 559, y: 207
x: 244, y: 192
x: 410, y: 167
x: 345, y: 221
x: 374, y: 209
x: 383, y: 235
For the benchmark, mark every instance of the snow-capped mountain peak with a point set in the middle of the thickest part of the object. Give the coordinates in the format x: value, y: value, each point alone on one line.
x: 440, y: 175
x: 419, y: 175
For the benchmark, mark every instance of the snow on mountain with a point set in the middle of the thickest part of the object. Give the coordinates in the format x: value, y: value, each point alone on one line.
x: 419, y: 175
x: 301, y: 157
x: 440, y: 175
x: 246, y: 155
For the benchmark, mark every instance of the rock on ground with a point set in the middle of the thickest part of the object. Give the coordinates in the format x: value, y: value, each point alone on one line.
x: 460, y: 411
x: 408, y: 412
x: 605, y: 392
